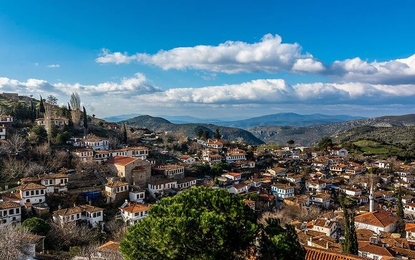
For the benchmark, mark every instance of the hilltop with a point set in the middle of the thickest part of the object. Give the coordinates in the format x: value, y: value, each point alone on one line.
x: 311, y: 134
x: 190, y: 130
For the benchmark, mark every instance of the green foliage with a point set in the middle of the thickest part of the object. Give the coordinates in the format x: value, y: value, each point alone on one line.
x: 38, y: 134
x: 324, y: 143
x: 85, y: 118
x: 199, y: 223
x: 204, y: 223
x: 350, y: 245
x: 218, y: 167
x: 276, y: 242
x: 37, y: 226
x: 41, y: 106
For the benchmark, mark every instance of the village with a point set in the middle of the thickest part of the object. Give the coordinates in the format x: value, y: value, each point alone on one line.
x: 102, y: 183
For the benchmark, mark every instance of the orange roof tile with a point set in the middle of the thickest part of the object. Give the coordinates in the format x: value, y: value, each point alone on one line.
x: 135, y: 207
x: 121, y: 160
x: 377, y: 218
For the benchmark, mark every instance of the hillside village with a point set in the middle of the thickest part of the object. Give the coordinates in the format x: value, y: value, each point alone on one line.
x: 93, y: 178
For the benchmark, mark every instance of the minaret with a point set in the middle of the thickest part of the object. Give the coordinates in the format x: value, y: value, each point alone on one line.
x: 371, y: 199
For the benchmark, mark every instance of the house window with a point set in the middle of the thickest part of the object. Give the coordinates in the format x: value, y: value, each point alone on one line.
x: 17, y: 211
x: 40, y: 200
x: 27, y: 193
x: 32, y: 192
x: 41, y: 191
x: 98, y: 214
x: 37, y: 192
x: 11, y: 211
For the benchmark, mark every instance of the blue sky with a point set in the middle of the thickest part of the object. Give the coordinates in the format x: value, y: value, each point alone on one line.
x: 213, y: 59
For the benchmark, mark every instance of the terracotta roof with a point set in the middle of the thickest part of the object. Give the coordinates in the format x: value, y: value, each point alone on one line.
x: 377, y: 218
x: 313, y: 253
x: 9, y: 205
x: 121, y: 160
x: 135, y: 207
x: 116, y: 184
x: 110, y: 246
x: 377, y: 250
x: 410, y: 227
x: 31, y: 186
x: 54, y: 176
x: 77, y: 209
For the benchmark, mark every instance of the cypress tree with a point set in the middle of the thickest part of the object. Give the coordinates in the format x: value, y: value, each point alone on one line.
x: 350, y: 245
x: 41, y: 106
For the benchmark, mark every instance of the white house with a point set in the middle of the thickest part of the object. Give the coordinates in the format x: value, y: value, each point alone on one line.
x: 410, y: 232
x: 235, y: 155
x: 351, y: 191
x: 93, y: 215
x: 137, y: 195
x: 114, y: 189
x: 409, y: 210
x: 6, y: 119
x: 2, y: 133
x: 187, y: 159
x: 376, y: 252
x: 10, y: 213
x: 133, y: 212
x: 326, y: 226
x: 320, y: 199
x: 339, y: 151
x: 55, y: 183
x: 174, y: 171
x: 282, y: 190
x: 84, y: 154
x: 31, y: 193
x: 186, y: 182
x: 316, y: 185
x: 233, y: 176
x: 215, y: 144
x: 238, y: 188
x: 96, y: 143
x: 376, y: 221
x: 159, y: 186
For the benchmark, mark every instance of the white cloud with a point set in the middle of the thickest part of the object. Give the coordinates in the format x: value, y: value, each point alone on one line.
x: 116, y: 57
x: 270, y: 55
x: 53, y: 66
x: 399, y: 71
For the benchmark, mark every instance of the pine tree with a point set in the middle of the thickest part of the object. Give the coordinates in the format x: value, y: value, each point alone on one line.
x: 41, y: 106
x: 85, y: 117
x: 124, y: 134
x: 350, y: 245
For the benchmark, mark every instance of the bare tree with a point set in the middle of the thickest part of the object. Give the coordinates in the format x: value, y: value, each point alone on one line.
x: 14, y: 243
x: 76, y: 108
x: 12, y: 168
x: 57, y: 161
x: 14, y: 144
x: 69, y: 235
x: 33, y: 169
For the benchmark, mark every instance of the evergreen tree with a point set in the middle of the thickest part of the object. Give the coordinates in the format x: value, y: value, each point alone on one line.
x: 124, y: 134
x: 41, y: 106
x: 400, y: 213
x: 350, y: 245
x: 217, y: 134
x: 202, y: 224
x: 85, y: 118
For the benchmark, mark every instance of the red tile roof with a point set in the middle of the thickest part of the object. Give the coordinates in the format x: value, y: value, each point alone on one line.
x: 121, y: 160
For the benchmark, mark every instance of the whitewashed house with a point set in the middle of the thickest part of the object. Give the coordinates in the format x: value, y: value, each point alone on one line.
x: 133, y: 212
x: 91, y: 214
x: 282, y: 190
x: 10, y: 213
x: 55, y: 183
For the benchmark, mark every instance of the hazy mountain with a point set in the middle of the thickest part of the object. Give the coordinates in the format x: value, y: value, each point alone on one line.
x: 311, y: 134
x: 190, y: 130
x: 119, y: 118
x: 287, y: 119
x: 188, y: 119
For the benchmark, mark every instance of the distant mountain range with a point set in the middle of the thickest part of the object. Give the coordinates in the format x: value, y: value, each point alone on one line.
x: 281, y: 119
x: 277, y: 128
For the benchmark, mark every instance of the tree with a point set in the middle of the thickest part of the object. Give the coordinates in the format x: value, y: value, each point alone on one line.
x: 276, y: 242
x: 400, y: 212
x: 36, y: 226
x: 199, y: 133
x: 218, y: 167
x: 206, y: 135
x: 14, y: 144
x: 124, y: 134
x: 38, y: 134
x: 204, y: 223
x: 12, y: 168
x: 199, y: 223
x: 324, y: 143
x: 85, y: 119
x: 41, y: 106
x: 217, y: 134
x: 14, y: 242
x: 350, y: 245
x: 75, y: 104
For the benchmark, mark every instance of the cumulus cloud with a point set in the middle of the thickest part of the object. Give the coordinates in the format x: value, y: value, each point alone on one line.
x: 270, y: 55
x: 399, y: 71
x: 277, y: 91
x: 53, y: 66
x: 126, y: 88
